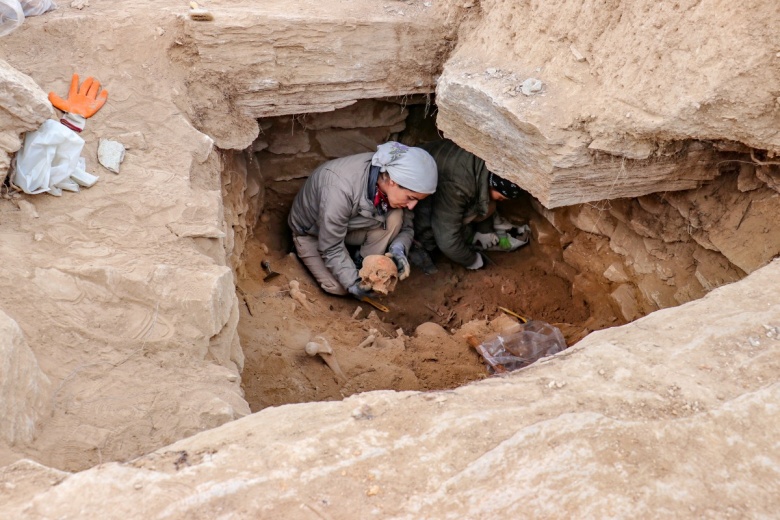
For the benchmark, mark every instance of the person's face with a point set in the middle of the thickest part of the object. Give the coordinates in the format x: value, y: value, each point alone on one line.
x: 400, y: 197
x: 496, y: 195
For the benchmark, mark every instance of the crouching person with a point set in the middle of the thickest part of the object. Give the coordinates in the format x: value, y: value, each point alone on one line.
x: 365, y: 201
x: 461, y: 219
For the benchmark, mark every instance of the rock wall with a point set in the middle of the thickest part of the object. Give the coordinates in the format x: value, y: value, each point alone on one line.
x: 122, y: 291
x: 625, y: 87
x: 243, y: 195
x: 666, y: 249
x: 307, y: 57
x: 290, y: 148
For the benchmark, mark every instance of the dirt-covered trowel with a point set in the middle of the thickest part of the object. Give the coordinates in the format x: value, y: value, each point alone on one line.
x: 374, y: 304
x: 269, y: 273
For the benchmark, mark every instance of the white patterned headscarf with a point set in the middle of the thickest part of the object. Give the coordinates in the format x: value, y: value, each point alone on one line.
x: 412, y: 168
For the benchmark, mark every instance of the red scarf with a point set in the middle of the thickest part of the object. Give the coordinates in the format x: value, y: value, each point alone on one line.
x: 380, y: 200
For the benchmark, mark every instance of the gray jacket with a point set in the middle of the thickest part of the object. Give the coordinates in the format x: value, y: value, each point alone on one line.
x: 334, y: 201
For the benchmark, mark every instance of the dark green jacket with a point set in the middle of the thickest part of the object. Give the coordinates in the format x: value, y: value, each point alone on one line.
x: 462, y: 195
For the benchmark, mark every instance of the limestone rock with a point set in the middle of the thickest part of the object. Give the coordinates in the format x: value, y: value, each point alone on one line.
x: 658, y: 397
x: 25, y: 390
x: 616, y: 273
x: 24, y: 106
x: 608, y: 127
x: 340, y: 143
x: 289, y: 143
x: 290, y: 61
x: 362, y: 114
x: 111, y: 154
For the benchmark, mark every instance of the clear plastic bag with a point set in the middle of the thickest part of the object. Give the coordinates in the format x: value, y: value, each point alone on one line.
x: 47, y: 159
x: 521, y: 346
x: 11, y: 16
x: 13, y: 12
x: 37, y: 7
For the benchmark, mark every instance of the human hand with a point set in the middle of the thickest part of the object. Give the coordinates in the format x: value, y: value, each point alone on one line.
x: 396, y: 252
x: 84, y: 101
x: 359, y: 292
x: 485, y: 240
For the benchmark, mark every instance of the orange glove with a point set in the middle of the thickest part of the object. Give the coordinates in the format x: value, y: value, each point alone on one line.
x: 81, y: 103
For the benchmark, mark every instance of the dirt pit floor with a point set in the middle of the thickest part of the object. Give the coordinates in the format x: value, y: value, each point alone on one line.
x: 274, y: 328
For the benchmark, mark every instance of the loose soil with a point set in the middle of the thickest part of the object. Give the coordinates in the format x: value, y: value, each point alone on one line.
x: 274, y: 328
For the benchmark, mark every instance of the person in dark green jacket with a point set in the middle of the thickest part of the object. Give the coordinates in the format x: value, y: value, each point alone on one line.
x: 458, y: 217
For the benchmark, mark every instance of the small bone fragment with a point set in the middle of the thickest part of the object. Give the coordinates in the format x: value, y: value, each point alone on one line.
x: 368, y: 341
x: 320, y: 346
x: 297, y: 295
x: 357, y: 312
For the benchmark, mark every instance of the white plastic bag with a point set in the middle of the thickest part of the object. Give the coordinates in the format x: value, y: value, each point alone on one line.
x: 36, y: 7
x: 11, y: 16
x: 47, y: 159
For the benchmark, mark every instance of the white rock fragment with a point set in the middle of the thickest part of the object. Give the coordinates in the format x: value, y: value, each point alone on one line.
x: 531, y: 86
x: 577, y: 54
x: 83, y: 178
x: 111, y: 154
x: 79, y: 4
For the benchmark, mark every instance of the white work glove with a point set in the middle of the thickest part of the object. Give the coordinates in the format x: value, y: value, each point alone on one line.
x: 499, y: 224
x: 477, y: 264
x: 74, y: 121
x: 485, y: 240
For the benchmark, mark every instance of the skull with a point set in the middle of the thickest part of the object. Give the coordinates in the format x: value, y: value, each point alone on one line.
x: 378, y: 273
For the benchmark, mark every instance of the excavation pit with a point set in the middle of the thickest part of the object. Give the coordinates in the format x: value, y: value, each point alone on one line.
x: 420, y: 343
x: 587, y: 267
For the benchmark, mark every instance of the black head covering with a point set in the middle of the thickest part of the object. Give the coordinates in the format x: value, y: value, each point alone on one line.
x: 506, y: 188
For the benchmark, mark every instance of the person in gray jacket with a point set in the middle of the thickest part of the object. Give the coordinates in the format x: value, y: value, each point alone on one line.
x: 362, y: 200
x: 457, y: 219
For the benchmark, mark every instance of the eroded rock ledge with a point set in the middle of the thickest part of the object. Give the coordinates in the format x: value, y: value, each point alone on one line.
x: 607, y: 428
x: 625, y: 86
